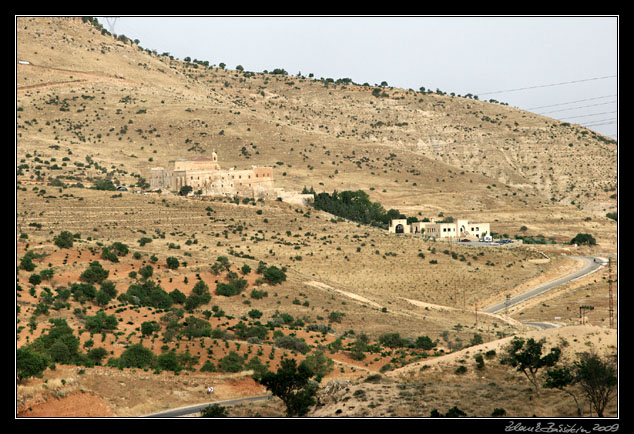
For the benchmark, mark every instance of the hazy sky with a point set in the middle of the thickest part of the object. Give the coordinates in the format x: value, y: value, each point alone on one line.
x: 479, y: 55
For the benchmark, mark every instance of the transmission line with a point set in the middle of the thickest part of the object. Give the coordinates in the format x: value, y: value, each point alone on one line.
x: 575, y: 108
x: 591, y: 114
x: 571, y: 102
x: 548, y: 85
x: 600, y: 123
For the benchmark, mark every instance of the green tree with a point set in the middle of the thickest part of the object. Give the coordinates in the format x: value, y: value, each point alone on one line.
x: 391, y: 340
x: 185, y: 190
x: 149, y: 327
x: 146, y: 271
x: 29, y: 363
x: 100, y: 322
x: 136, y: 356
x: 64, y: 240
x: 598, y: 380
x: 274, y: 275
x: 148, y: 293
x: 95, y: 273
x: 177, y: 296
x: 169, y: 361
x: 97, y: 355
x: 26, y: 263
x: 583, y: 239
x: 104, y: 184
x: 526, y: 357
x: 172, y: 263
x: 59, y: 343
x: 425, y: 343
x: 563, y: 379
x: 232, y: 362
x: 293, y: 385
x: 319, y: 364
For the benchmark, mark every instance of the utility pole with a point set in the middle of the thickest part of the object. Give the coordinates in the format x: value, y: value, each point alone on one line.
x: 581, y: 315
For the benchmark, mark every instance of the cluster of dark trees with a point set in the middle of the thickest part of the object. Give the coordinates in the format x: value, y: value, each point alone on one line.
x: 356, y: 206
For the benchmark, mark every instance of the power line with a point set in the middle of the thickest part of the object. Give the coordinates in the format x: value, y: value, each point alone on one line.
x: 602, y: 120
x: 591, y: 114
x: 548, y: 85
x: 571, y: 102
x: 575, y: 108
x: 600, y: 124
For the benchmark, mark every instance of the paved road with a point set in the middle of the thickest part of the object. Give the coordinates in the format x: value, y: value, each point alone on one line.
x: 589, y: 267
x: 541, y: 325
x: 182, y: 411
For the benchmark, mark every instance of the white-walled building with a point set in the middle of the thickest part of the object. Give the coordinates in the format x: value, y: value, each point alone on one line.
x: 458, y: 229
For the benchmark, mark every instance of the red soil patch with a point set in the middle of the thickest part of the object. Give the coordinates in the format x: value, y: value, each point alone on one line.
x: 74, y: 405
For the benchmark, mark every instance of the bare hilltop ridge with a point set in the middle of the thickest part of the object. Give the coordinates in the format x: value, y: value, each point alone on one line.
x: 129, y: 304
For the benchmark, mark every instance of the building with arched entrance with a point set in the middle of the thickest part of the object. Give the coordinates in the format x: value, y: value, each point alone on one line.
x: 459, y: 229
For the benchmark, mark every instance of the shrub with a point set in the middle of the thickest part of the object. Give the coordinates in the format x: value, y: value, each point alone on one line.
x: 479, y: 360
x: 583, y: 239
x: 144, y: 240
x: 214, y: 410
x: 101, y: 321
x: 135, y: 356
x: 172, y: 263
x: 257, y: 294
x: 83, y: 291
x: 64, y: 240
x: 95, y: 273
x: 392, y: 340
x: 208, y: 367
x: 292, y: 343
x: 109, y: 255
x: 319, y: 364
x: 146, y: 272
x: 97, y: 355
x: 104, y: 184
x: 232, y: 362
x: 196, y: 327
x: 177, y: 296
x: 169, y: 361
x: 26, y: 263
x: 498, y: 412
x: 335, y: 317
x: 29, y: 363
x: 35, y: 279
x: 227, y: 289
x: 255, y: 314
x: 274, y: 275
x: 425, y: 343
x: 149, y: 327
x: 149, y: 293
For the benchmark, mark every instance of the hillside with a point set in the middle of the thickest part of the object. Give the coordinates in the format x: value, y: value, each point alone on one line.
x: 91, y: 107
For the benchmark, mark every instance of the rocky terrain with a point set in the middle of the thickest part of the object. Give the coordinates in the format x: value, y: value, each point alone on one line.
x: 93, y: 108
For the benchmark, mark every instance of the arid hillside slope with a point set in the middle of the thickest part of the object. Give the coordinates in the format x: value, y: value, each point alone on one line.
x: 93, y: 108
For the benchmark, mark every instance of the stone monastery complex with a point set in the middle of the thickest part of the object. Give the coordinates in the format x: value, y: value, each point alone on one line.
x: 205, y: 176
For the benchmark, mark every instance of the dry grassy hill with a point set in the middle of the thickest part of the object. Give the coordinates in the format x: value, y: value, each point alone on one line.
x: 92, y: 107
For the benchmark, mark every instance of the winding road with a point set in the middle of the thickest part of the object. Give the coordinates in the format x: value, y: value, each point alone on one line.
x: 191, y: 409
x: 591, y: 265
